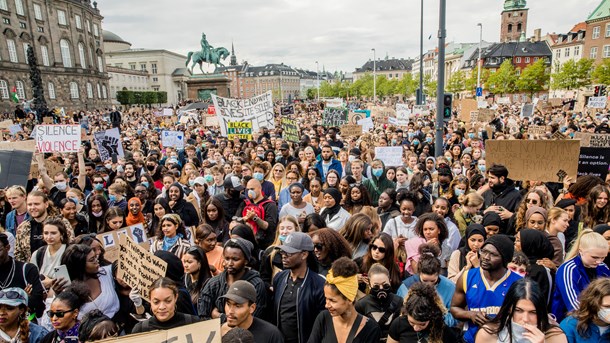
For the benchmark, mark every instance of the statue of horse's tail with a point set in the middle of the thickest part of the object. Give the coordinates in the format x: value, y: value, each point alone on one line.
x: 188, y: 58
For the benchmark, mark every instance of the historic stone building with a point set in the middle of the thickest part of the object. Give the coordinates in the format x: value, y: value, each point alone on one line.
x: 514, y: 20
x: 66, y: 37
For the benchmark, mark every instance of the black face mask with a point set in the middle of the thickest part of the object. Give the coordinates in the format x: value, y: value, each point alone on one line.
x: 150, y: 168
x: 382, y: 294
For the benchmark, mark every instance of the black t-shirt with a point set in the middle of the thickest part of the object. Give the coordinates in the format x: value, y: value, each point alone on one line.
x: 401, y: 331
x: 288, y: 311
x: 36, y: 240
x: 56, y: 196
x: 372, y: 308
x: 324, y: 332
x: 179, y: 319
x: 265, y: 332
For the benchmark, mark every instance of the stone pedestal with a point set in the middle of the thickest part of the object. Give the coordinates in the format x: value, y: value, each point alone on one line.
x: 200, y: 87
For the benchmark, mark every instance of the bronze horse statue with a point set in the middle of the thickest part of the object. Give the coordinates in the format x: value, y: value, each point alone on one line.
x: 215, y: 56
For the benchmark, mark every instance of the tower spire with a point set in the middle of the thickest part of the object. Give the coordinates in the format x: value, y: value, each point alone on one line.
x: 233, y: 57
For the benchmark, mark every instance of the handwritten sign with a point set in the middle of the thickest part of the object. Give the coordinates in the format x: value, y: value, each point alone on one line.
x: 168, y: 112
x: 367, y: 124
x: 240, y: 130
x: 536, y: 130
x: 334, y: 116
x: 286, y: 110
x: 403, y: 112
x: 29, y: 145
x: 474, y: 116
x: 558, y: 136
x: 421, y: 110
x: 351, y: 130
x: 110, y: 240
x: 597, y: 102
x: 291, y: 130
x: 137, y: 267
x: 258, y: 110
x: 536, y: 160
x: 486, y: 114
x: 593, y: 140
x: 391, y: 156
x: 334, y: 102
x: 172, y: 138
x: 354, y: 116
x: 57, y: 138
x: 207, y: 331
x: 503, y: 101
x: 382, y: 113
x: 465, y: 107
x: 527, y: 110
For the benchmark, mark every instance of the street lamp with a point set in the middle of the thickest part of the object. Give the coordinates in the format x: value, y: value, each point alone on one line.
x: 420, y: 96
x: 479, y: 60
x: 374, y: 77
x: 318, y: 79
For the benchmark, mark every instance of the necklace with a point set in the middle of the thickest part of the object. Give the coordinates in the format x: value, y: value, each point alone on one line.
x: 9, y: 277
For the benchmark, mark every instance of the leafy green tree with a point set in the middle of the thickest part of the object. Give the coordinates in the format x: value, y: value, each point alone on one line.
x: 161, y: 97
x: 457, y: 82
x: 470, y: 84
x: 573, y: 75
x: 601, y: 74
x: 534, y: 78
x: 430, y: 86
x: 407, y: 85
x: 124, y: 97
x: 504, y: 80
x: 311, y: 93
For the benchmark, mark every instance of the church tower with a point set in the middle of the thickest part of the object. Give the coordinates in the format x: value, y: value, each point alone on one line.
x: 514, y: 20
x: 233, y: 57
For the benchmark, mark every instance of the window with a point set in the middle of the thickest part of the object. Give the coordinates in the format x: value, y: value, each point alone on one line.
x: 96, y: 30
x: 3, y: 5
x: 90, y: 56
x: 81, y: 55
x: 607, y: 30
x: 40, y: 29
x: 79, y: 22
x: 593, y: 53
x: 566, y: 52
x: 37, y: 12
x: 3, y: 89
x: 99, y: 91
x: 12, y: 51
x: 104, y: 92
x: 518, y: 60
x: 25, y: 51
x: 606, y: 51
x: 595, y: 34
x: 23, y: 25
x: 19, y: 7
x: 88, y: 23
x: 153, y: 67
x: 89, y: 90
x: 576, y: 50
x: 527, y: 60
x: 73, y: 90
x: 20, y: 89
x: 51, y: 90
x: 7, y: 21
x: 143, y: 66
x: 65, y: 53
x: 510, y: 28
x: 61, y: 17
x: 558, y: 53
x: 155, y: 79
x: 100, y: 64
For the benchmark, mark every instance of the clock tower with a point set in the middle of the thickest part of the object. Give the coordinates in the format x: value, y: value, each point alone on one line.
x: 514, y: 20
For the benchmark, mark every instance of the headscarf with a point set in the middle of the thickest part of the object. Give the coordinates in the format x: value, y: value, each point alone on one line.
x: 535, y: 245
x: 348, y: 286
x: 332, y: 211
x: 472, y: 229
x: 131, y: 219
x: 535, y: 209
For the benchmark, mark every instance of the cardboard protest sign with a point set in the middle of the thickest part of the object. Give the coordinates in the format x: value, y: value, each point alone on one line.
x: 474, y: 116
x: 391, y: 156
x: 367, y: 124
x: 536, y: 160
x: 240, y: 130
x: 291, y: 130
x: 527, y: 110
x: 536, y: 130
x: 403, y: 112
x: 593, y: 140
x: 351, y: 130
x: 465, y: 107
x: 258, y: 110
x: 392, y: 121
x: 286, y: 110
x: 207, y: 331
x: 382, y: 113
x: 486, y: 114
x: 354, y: 116
x: 167, y: 112
x: 108, y: 143
x: 421, y: 110
x: 211, y: 110
x: 334, y: 116
x: 558, y: 136
x: 52, y: 168
x: 57, y: 138
x: 597, y: 102
x: 29, y: 145
x: 47, y: 120
x: 172, y: 138
x: 14, y: 167
x: 556, y: 102
x: 110, y: 240
x: 594, y: 161
x: 137, y: 267
x: 5, y: 124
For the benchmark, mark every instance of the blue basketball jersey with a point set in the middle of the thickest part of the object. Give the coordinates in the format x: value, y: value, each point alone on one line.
x: 480, y: 296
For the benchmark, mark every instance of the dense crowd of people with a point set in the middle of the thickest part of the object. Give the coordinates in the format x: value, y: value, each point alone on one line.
x: 315, y: 240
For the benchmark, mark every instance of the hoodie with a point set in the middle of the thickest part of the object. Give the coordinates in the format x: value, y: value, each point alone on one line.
x: 376, y: 185
x: 505, y: 195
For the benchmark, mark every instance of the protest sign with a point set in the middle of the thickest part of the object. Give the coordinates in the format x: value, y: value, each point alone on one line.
x: 286, y: 110
x: 464, y: 107
x: 593, y: 140
x: 211, y: 110
x: 474, y: 116
x: 334, y: 116
x: 137, y: 267
x: 52, y: 167
x: 47, y: 120
x: 168, y: 112
x: 14, y: 167
x: 597, y: 102
x: 29, y: 145
x: 556, y: 102
x: 14, y: 129
x: 5, y: 124
x: 421, y: 110
x: 403, y: 112
x: 527, y: 110
x: 354, y: 116
x: 109, y: 143
x: 240, y: 130
x: 57, y: 138
x: 291, y: 130
x: 382, y: 113
x: 594, y: 161
x: 486, y: 114
x: 392, y: 121
x: 536, y: 160
x: 207, y: 331
x: 558, y: 136
x: 258, y: 110
x: 536, y: 130
x: 172, y: 138
x: 482, y: 104
x: 503, y: 101
x: 110, y: 240
x: 334, y: 102
x: 391, y: 156
x: 351, y: 130
x: 367, y: 124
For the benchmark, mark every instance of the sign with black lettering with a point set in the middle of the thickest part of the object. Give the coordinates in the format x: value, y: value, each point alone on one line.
x: 138, y: 268
x: 334, y: 116
x: 286, y: 110
x: 291, y: 130
x: 593, y: 161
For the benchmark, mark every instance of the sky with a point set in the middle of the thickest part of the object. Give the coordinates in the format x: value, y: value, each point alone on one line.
x: 339, y: 34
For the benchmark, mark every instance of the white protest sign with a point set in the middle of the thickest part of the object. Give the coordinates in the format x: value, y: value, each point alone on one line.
x: 172, y: 138
x: 108, y: 143
x: 14, y: 129
x: 334, y: 102
x: 168, y: 112
x: 403, y: 112
x: 58, y: 138
x: 390, y: 155
x: 258, y: 110
x: 421, y: 110
x: 482, y: 104
x: 504, y: 101
x: 597, y: 102
x: 367, y: 124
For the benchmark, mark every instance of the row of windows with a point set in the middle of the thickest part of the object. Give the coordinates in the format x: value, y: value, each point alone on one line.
x: 102, y: 92
x: 139, y: 79
x: 566, y: 52
x: 65, y: 50
x: 593, y: 52
x: 143, y: 66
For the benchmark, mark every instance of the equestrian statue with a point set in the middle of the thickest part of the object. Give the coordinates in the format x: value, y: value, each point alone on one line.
x: 207, y: 54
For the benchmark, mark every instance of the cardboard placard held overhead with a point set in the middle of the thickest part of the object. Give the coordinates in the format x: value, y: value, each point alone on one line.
x: 291, y: 129
x: 57, y: 138
x: 558, y: 136
x: 536, y: 130
x: 465, y: 107
x: 474, y: 116
x: 351, y: 130
x: 593, y: 140
x: 110, y: 240
x: 47, y: 120
x: 486, y: 114
x: 29, y: 145
x: 5, y: 124
x: 138, y: 268
x: 391, y: 156
x: 556, y: 102
x: 535, y: 160
x: 333, y: 117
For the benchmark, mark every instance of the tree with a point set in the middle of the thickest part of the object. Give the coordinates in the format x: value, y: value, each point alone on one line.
x: 573, y: 75
x: 457, y: 82
x: 430, y: 86
x: 534, y: 78
x: 471, y: 83
x: 311, y: 93
x: 504, y: 79
x: 601, y: 74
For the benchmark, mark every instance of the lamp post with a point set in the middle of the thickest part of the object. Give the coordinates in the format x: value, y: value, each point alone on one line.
x: 318, y: 79
x: 420, y: 96
x: 440, y: 88
x: 479, y: 60
x: 374, y: 77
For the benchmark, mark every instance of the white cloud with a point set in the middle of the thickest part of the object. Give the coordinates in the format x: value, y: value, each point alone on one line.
x: 337, y: 33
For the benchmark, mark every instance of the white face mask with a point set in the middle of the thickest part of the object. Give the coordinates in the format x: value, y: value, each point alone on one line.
x: 604, y: 315
x: 351, y: 158
x: 517, y: 332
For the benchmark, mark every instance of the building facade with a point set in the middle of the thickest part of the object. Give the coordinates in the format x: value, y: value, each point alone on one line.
x: 282, y: 80
x: 514, y: 20
x: 391, y: 68
x: 597, y: 42
x: 127, y: 79
x: 67, y: 40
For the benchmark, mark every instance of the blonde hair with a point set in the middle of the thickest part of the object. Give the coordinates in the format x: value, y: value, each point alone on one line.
x: 372, y: 213
x: 471, y: 199
x: 553, y: 214
x: 287, y: 218
x: 17, y: 190
x: 588, y: 239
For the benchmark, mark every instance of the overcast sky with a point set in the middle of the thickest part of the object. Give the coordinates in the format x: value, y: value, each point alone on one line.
x: 337, y: 33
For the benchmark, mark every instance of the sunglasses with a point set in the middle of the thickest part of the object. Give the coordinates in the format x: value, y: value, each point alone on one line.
x: 58, y: 314
x: 318, y: 246
x: 380, y: 249
x: 11, y: 295
x: 385, y: 286
x: 532, y: 201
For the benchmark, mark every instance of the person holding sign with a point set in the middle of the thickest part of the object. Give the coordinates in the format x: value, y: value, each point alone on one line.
x: 171, y: 236
x: 163, y: 298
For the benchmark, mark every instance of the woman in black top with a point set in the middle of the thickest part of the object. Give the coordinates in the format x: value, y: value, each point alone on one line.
x: 180, y: 206
x: 163, y: 297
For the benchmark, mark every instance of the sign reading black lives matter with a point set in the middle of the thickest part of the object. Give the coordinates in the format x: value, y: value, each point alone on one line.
x: 291, y: 130
x: 286, y: 110
x: 258, y: 110
x: 334, y: 116
x: 109, y: 143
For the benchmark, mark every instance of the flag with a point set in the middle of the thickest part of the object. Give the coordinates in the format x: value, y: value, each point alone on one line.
x: 429, y: 37
x: 14, y: 95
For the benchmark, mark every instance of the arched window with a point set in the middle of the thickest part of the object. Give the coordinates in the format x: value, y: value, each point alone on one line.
x: 81, y: 55
x: 73, y: 90
x: 104, y: 92
x: 99, y: 91
x: 20, y: 89
x: 51, y: 90
x: 519, y: 27
x: 66, y: 59
x: 45, y: 55
x: 3, y: 89
x: 12, y: 51
x: 100, y: 64
x: 510, y: 28
x: 89, y: 90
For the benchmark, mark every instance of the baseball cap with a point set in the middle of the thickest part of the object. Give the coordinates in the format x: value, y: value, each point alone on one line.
x: 284, y: 146
x: 200, y: 180
x: 241, y: 292
x: 233, y: 182
x: 297, y: 242
x: 13, y: 296
x: 355, y: 152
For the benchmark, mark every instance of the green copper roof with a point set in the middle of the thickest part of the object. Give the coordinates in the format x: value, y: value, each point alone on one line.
x: 602, y: 11
x: 510, y: 5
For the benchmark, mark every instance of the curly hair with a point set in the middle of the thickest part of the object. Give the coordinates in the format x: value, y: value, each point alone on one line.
x: 344, y: 267
x: 335, y: 243
x: 520, y: 216
x: 590, y: 303
x: 429, y: 263
x: 423, y: 304
x: 583, y: 184
x: 355, y: 228
x: 75, y: 259
x: 96, y: 326
x: 351, y: 204
x: 75, y: 296
x: 438, y: 220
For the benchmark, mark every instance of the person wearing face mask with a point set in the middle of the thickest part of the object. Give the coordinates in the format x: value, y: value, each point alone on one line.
x: 260, y: 172
x: 60, y: 184
x: 271, y: 261
x: 378, y: 182
x: 260, y: 213
x: 231, y: 199
x: 591, y: 321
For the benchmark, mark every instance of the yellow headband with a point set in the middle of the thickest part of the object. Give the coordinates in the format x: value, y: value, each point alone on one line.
x: 348, y: 286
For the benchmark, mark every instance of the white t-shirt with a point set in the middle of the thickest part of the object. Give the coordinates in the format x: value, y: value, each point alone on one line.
x: 396, y: 227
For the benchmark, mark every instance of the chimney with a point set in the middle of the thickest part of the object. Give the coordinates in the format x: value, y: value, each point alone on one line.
x: 537, y: 34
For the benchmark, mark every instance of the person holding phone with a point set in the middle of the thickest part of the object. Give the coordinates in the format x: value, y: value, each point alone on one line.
x: 47, y: 257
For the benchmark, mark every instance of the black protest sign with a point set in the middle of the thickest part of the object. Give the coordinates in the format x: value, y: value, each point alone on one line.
x: 593, y: 161
x: 286, y: 110
x: 14, y: 167
x: 291, y: 130
x: 334, y: 116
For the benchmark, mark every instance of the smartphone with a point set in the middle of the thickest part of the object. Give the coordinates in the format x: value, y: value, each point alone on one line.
x: 115, y: 158
x: 71, y: 339
x: 61, y: 271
